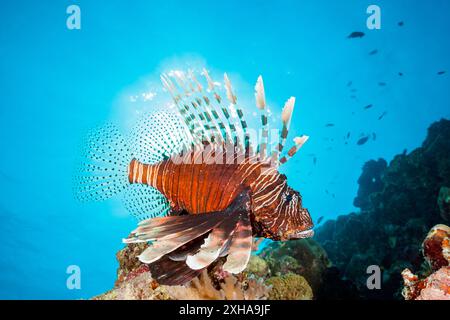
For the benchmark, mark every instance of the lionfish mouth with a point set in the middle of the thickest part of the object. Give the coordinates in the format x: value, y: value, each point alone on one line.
x: 302, y: 234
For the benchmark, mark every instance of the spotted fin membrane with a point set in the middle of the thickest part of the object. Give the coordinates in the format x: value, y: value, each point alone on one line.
x: 103, y: 169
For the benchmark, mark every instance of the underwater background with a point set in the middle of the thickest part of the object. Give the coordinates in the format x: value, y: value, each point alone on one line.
x: 388, y: 86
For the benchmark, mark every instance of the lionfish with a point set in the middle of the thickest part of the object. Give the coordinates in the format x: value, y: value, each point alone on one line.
x: 197, y: 199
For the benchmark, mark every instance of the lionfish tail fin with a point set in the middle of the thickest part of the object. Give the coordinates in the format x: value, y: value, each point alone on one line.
x: 155, y: 137
x: 103, y: 169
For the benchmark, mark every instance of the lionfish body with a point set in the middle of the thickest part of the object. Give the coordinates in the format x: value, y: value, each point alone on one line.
x: 199, y: 196
x: 206, y: 188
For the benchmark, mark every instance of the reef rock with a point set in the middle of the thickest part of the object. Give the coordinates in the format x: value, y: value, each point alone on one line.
x: 436, y: 247
x: 129, y: 264
x: 435, y: 286
x: 140, y: 287
x: 399, y: 203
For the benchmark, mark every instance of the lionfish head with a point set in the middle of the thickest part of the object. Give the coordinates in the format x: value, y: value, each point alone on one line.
x: 284, y: 218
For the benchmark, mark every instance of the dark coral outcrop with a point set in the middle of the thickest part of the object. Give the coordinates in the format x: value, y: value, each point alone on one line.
x: 399, y: 203
x: 370, y: 182
x: 444, y: 203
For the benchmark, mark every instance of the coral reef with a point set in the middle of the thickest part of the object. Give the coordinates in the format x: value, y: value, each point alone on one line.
x: 435, y: 286
x: 134, y: 282
x: 398, y: 208
x: 289, y: 287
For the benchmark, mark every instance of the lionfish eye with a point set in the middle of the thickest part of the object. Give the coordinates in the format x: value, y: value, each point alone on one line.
x: 288, y: 198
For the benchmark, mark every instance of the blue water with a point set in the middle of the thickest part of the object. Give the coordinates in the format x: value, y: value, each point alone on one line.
x: 57, y: 83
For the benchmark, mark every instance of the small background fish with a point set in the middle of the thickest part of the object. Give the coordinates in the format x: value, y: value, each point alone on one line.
x: 356, y: 34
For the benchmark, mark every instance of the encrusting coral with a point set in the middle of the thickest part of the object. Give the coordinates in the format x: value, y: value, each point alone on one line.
x: 435, y: 247
x: 257, y: 266
x: 290, y: 287
x: 436, y: 286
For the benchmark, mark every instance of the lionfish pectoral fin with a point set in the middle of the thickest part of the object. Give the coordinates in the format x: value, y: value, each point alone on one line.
x: 189, y: 248
x: 240, y: 247
x: 170, y: 233
x: 182, y: 246
x: 220, y: 239
x: 215, y: 243
x: 169, y: 272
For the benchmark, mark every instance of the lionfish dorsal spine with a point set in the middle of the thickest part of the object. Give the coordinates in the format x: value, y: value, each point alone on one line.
x: 209, y: 118
x: 185, y: 111
x: 194, y: 120
x: 218, y: 103
x: 260, y: 99
x: 241, y: 123
x: 299, y: 142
